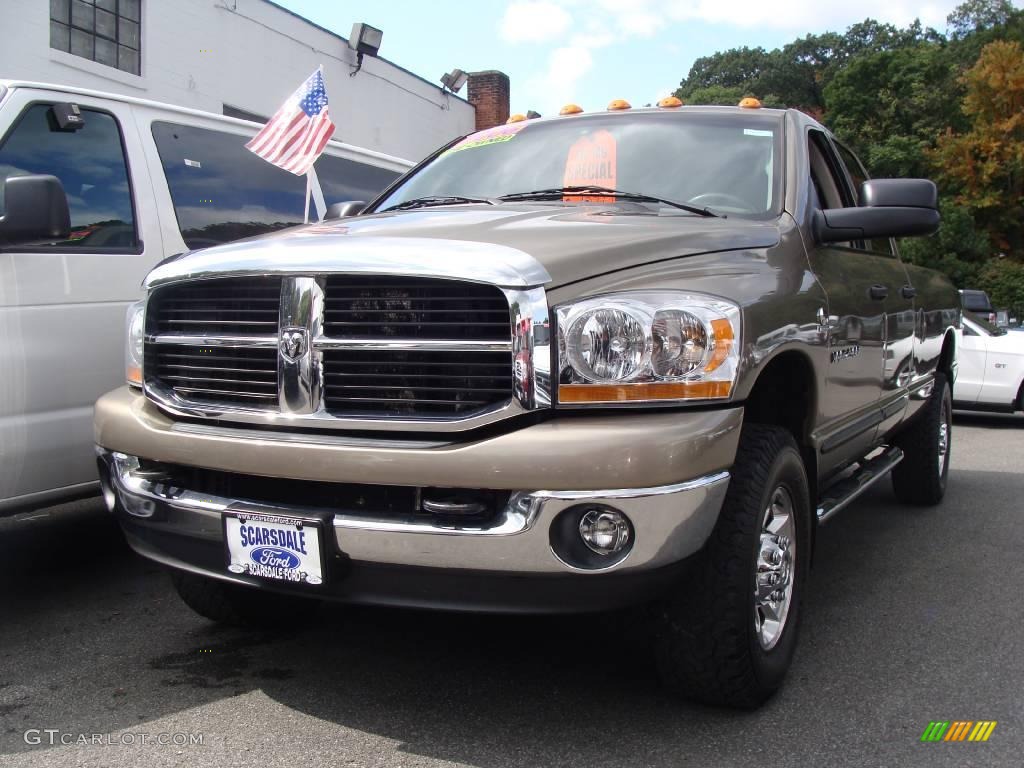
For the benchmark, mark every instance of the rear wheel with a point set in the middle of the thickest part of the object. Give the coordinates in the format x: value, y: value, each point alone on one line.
x: 237, y: 605
x: 729, y: 636
x: 920, y: 479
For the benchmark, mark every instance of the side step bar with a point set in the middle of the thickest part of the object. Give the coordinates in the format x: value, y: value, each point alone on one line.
x: 838, y: 496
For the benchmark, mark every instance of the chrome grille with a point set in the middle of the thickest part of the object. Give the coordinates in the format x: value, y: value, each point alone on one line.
x: 395, y: 307
x: 409, y: 382
x: 215, y: 374
x: 245, y: 305
x: 350, y: 347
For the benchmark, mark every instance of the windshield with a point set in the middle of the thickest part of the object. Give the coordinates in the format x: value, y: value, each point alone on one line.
x: 726, y: 162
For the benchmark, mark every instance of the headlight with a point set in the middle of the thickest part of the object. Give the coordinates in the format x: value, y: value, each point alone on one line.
x: 134, y: 342
x: 647, y: 346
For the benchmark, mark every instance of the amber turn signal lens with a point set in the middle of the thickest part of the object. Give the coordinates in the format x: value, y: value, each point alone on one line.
x: 133, y: 374
x: 517, y: 118
x: 570, y: 109
x: 750, y: 103
x: 723, y: 342
x: 670, y: 102
x: 656, y: 390
x: 618, y: 104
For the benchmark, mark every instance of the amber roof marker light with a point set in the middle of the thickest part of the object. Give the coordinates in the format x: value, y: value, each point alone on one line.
x: 750, y: 103
x: 570, y: 109
x: 517, y: 118
x: 670, y: 102
x: 618, y: 104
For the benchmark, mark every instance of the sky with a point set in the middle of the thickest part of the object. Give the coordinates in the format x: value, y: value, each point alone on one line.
x: 592, y: 51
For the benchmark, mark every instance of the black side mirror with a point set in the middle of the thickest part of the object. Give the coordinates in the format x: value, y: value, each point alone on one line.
x: 890, y: 208
x: 35, y: 211
x: 341, y: 210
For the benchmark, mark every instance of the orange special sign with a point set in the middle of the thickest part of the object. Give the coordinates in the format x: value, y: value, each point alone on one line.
x: 591, y: 162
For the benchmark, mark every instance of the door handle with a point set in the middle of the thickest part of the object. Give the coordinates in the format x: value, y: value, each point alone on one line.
x: 908, y: 291
x: 878, y: 292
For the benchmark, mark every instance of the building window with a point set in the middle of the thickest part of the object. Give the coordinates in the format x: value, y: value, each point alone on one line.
x: 105, y: 31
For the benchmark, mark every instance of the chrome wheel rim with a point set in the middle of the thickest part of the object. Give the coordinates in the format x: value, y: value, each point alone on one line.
x: 943, y: 445
x: 776, y: 560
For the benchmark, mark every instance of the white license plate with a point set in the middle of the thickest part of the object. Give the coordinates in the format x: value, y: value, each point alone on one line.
x: 273, y: 547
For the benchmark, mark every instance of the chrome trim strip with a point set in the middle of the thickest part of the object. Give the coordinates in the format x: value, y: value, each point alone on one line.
x: 300, y: 377
x: 352, y: 247
x: 635, y: 493
x: 262, y: 341
x: 531, y: 347
x: 171, y: 403
x: 430, y: 345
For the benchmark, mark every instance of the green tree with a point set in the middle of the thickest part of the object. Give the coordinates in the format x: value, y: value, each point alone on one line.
x: 985, y: 165
x: 979, y: 15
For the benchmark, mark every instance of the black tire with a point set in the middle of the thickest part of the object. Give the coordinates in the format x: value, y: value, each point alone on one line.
x: 239, y: 606
x: 706, y: 644
x: 918, y: 479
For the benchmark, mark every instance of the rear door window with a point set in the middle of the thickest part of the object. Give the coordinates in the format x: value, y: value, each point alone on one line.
x: 90, y: 163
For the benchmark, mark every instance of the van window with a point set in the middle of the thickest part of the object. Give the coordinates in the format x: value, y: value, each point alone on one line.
x: 221, y: 191
x: 342, y: 179
x: 89, y: 162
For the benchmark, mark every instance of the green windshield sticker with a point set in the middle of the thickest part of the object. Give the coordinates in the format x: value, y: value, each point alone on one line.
x: 496, y: 135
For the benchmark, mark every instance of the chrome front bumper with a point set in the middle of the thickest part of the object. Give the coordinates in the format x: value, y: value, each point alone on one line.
x: 670, y: 523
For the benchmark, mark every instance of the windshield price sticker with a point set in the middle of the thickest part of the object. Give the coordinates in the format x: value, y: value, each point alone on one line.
x: 273, y: 547
x: 591, y: 162
x: 497, y: 135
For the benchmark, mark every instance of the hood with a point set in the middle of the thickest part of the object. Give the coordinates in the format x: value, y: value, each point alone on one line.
x: 511, y: 244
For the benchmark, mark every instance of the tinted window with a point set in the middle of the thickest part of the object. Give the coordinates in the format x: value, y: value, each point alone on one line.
x: 976, y: 301
x: 342, y: 179
x: 221, y: 191
x: 90, y: 164
x: 726, y: 162
x: 858, y: 176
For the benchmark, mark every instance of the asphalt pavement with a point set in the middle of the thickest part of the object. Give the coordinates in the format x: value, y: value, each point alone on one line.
x: 912, y: 616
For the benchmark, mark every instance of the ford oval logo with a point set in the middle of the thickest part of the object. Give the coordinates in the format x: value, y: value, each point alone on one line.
x: 274, y: 557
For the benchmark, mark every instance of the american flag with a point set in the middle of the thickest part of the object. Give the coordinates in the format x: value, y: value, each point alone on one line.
x: 298, y: 132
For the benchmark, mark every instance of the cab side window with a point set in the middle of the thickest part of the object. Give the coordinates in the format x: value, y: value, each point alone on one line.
x: 89, y: 162
x: 858, y: 176
x: 829, y: 185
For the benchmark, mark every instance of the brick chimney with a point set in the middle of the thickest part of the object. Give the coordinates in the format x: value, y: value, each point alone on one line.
x: 489, y: 93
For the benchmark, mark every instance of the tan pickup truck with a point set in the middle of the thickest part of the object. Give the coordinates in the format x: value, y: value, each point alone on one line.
x: 568, y: 364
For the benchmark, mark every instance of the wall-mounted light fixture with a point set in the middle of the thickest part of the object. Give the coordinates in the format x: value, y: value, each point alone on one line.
x: 364, y: 39
x: 454, y: 80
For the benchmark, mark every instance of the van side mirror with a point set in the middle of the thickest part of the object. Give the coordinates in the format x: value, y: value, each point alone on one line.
x: 341, y: 210
x: 890, y: 208
x: 35, y: 211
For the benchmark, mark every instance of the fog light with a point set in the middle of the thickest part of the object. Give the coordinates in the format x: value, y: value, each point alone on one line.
x: 604, y: 531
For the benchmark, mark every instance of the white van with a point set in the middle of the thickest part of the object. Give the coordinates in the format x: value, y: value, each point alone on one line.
x: 143, y: 181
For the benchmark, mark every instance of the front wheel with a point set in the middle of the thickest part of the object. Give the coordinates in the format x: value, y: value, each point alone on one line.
x: 729, y: 635
x: 920, y: 479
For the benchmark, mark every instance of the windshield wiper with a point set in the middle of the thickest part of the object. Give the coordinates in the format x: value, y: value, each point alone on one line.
x: 594, y: 189
x: 425, y: 202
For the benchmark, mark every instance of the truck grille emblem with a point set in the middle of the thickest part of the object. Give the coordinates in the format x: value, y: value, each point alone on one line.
x: 293, y: 343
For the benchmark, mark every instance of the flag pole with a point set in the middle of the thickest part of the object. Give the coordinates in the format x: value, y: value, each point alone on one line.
x: 309, y: 191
